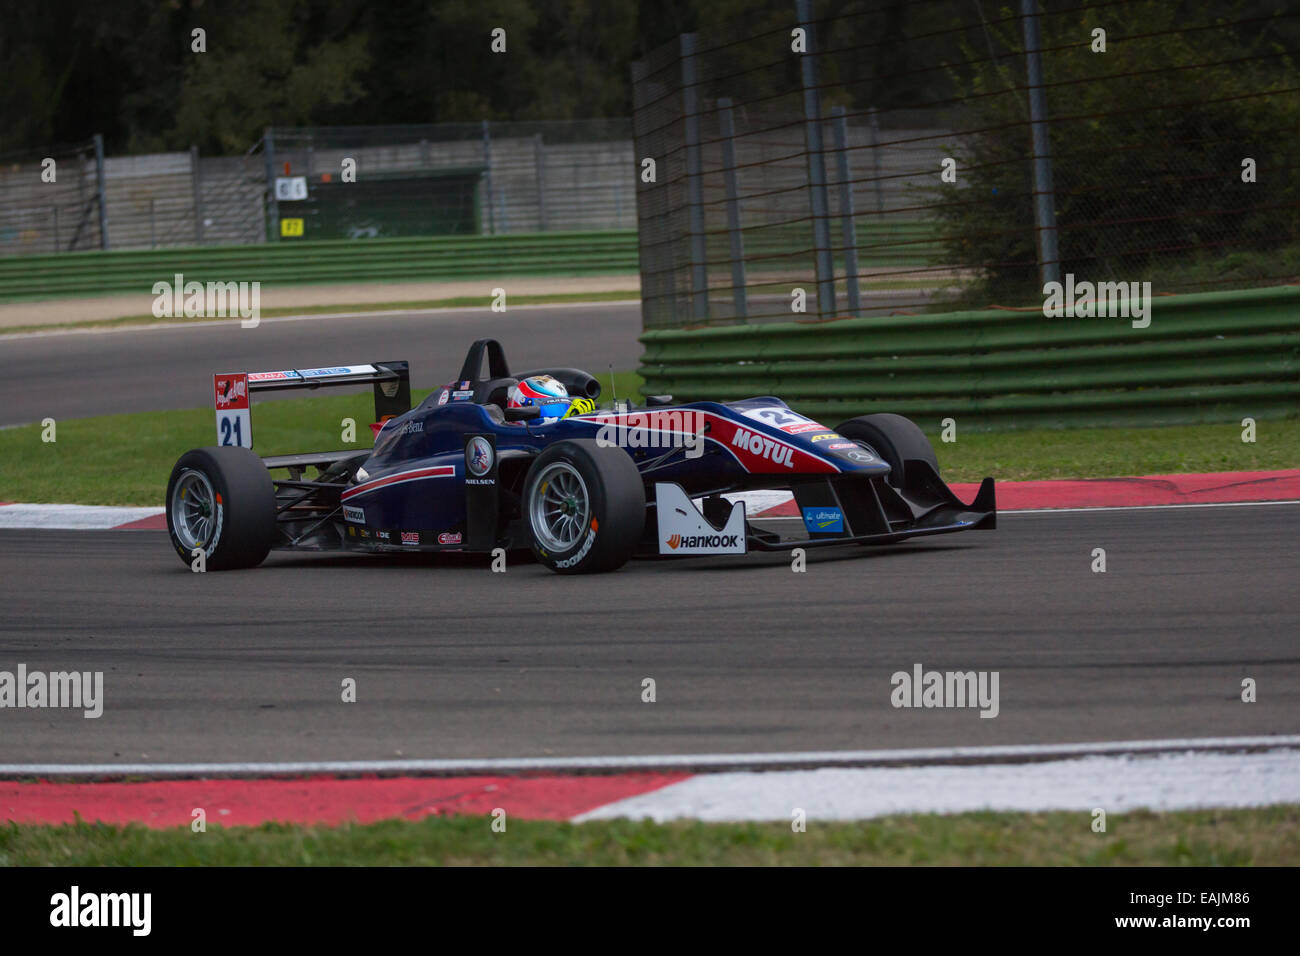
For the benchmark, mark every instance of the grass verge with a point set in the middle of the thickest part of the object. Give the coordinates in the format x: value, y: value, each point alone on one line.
x: 1267, y: 836
x: 125, y: 459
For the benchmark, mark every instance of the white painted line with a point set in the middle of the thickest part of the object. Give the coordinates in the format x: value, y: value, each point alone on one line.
x: 71, y: 517
x: 1203, y: 504
x: 1116, y: 784
x: 1014, y: 753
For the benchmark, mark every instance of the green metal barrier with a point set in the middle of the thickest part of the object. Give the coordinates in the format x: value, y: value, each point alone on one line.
x: 422, y: 258
x: 290, y: 262
x: 1205, y: 357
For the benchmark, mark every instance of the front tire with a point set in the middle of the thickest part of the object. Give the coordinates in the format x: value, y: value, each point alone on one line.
x: 221, y: 501
x: 585, y: 507
x: 893, y: 438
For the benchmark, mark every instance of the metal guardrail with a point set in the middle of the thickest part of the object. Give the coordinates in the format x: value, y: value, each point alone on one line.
x: 417, y: 259
x: 1204, y: 357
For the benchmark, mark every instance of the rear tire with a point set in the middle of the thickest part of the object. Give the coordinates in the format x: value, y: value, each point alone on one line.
x: 585, y: 507
x: 893, y: 438
x: 221, y: 500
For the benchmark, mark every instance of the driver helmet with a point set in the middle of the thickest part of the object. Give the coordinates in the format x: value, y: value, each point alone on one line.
x: 541, y: 391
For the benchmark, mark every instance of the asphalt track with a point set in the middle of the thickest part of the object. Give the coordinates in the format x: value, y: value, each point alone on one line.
x: 80, y: 374
x: 452, y: 660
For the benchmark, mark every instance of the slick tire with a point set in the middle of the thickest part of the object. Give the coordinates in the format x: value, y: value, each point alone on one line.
x: 221, y: 501
x: 584, y: 505
x: 894, y: 438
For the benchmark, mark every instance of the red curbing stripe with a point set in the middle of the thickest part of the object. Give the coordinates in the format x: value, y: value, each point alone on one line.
x: 323, y: 800
x: 151, y: 523
x: 1212, y: 488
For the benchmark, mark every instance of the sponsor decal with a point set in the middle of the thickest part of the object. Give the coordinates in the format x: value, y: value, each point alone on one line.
x: 352, y: 531
x: 410, y: 537
x: 826, y: 436
x: 858, y: 454
x: 822, y: 519
x: 582, y: 553
x: 357, y: 515
x: 462, y: 395
x: 232, y: 391
x: 449, y: 537
x: 384, y: 535
x: 335, y: 370
x: 464, y: 385
x: 478, y: 456
x: 443, y: 396
x: 684, y: 531
x: 841, y: 445
x: 409, y: 428
x: 703, y: 541
x: 272, y: 376
x: 364, y: 533
x: 756, y: 444
x: 800, y: 429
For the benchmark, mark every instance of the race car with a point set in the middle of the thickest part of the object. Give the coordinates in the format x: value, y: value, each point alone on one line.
x: 494, y: 461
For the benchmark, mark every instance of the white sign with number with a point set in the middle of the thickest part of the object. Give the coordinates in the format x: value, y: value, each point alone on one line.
x: 234, y: 419
x: 290, y: 188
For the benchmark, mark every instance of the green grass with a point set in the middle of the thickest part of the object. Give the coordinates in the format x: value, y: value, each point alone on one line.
x: 454, y: 302
x: 1260, y: 837
x: 125, y: 459
x: 1108, y: 452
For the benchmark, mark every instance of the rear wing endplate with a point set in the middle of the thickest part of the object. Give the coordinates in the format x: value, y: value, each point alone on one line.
x: 391, y: 382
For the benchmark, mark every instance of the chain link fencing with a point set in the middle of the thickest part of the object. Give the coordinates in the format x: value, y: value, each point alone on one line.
x: 1124, y: 141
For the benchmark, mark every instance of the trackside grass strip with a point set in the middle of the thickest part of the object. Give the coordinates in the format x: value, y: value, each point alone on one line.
x: 125, y: 459
x: 1261, y: 837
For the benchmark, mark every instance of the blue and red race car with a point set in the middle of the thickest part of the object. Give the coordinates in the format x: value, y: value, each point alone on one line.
x: 480, y: 466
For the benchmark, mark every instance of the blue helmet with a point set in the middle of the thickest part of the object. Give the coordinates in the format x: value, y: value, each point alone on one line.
x: 543, y: 392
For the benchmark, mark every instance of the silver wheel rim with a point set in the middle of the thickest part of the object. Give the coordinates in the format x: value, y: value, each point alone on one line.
x: 559, y: 508
x: 194, y: 510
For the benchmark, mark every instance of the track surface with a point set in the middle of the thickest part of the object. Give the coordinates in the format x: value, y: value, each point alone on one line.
x: 153, y: 369
x: 454, y: 661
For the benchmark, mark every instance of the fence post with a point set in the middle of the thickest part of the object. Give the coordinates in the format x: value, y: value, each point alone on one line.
x: 694, y: 180
x: 812, y: 113
x: 487, y: 176
x: 539, y: 162
x: 727, y: 131
x: 55, y: 210
x: 848, y: 223
x: 874, y: 127
x: 196, y: 179
x: 99, y: 186
x: 153, y: 226
x: 1049, y: 259
x: 272, y: 204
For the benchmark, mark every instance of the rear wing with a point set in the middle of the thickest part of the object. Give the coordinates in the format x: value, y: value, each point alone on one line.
x: 391, y: 382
